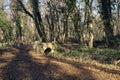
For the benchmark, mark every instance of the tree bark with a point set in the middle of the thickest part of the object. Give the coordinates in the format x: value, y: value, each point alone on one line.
x: 107, y: 19
x: 89, y: 23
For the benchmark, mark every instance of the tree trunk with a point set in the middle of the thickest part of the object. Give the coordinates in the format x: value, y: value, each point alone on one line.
x: 89, y: 23
x: 65, y: 30
x: 107, y: 18
x: 38, y: 20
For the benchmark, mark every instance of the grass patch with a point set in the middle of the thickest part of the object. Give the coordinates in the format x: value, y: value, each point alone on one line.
x: 103, y: 55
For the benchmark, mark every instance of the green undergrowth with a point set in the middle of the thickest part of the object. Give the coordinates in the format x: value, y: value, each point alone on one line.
x: 3, y: 45
x: 103, y: 55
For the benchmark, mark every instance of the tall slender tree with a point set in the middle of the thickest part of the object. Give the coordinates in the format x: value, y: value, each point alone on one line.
x: 106, y: 12
x: 36, y: 16
x: 16, y: 15
x: 88, y: 5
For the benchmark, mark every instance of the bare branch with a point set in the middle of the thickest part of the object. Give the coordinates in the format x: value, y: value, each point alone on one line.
x: 25, y: 10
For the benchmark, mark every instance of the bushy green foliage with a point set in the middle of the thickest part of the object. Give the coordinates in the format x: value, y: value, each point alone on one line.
x: 5, y: 26
x: 106, y: 55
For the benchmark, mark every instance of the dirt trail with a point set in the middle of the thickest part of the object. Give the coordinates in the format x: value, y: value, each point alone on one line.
x: 20, y: 64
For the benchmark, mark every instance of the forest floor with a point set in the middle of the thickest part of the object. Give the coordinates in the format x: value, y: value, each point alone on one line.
x: 20, y: 64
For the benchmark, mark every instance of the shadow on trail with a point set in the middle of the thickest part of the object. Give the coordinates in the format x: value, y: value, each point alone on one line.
x: 9, y: 52
x: 22, y: 67
x: 84, y: 74
x: 3, y: 51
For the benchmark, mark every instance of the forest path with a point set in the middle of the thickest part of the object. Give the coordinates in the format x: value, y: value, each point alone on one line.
x: 20, y: 64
